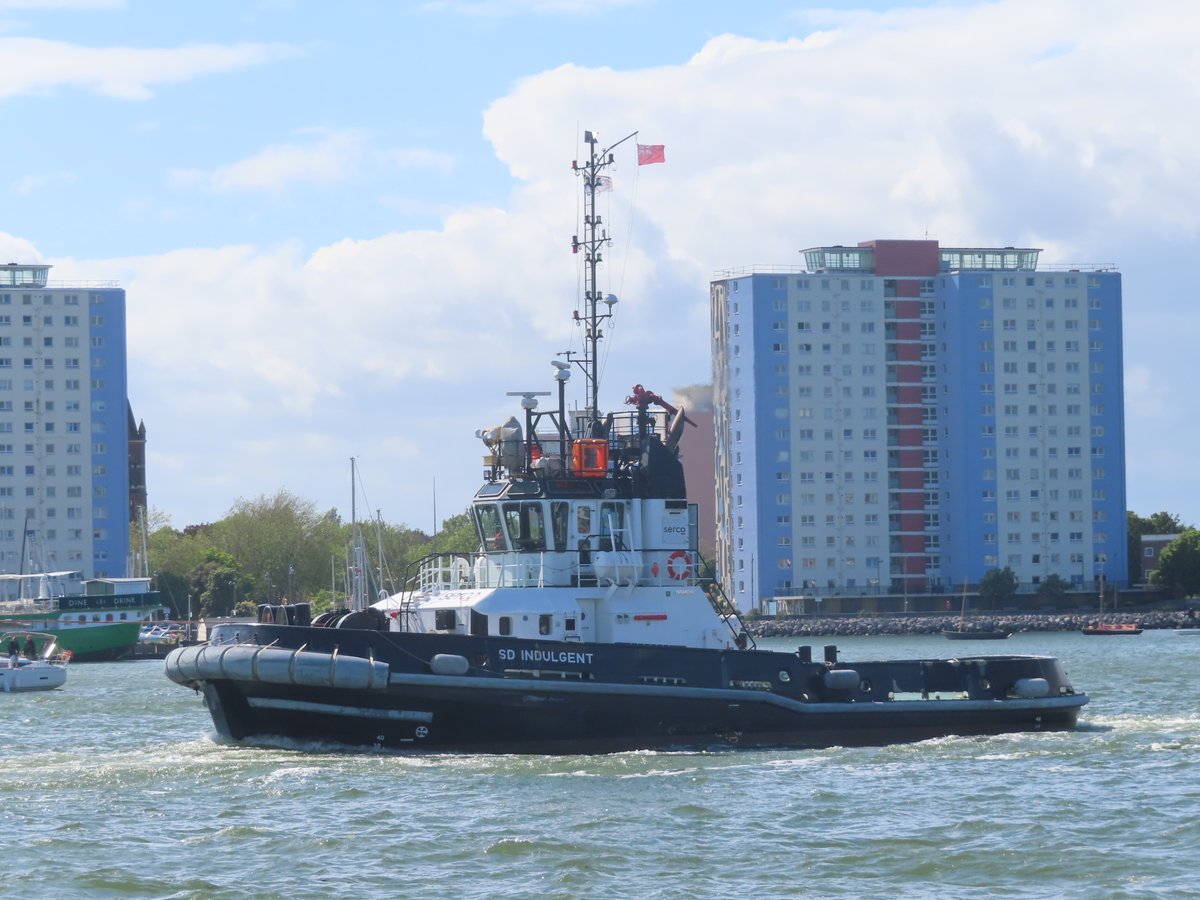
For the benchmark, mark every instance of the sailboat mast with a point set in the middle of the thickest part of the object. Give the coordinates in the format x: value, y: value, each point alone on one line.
x: 357, y: 562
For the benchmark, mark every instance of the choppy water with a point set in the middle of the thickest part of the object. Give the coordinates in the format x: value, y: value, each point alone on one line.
x: 116, y: 787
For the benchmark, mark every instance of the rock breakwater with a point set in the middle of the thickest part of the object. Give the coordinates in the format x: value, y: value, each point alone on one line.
x: 835, y: 626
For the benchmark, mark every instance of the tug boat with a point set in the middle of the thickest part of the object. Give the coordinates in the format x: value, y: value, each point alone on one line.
x: 586, y: 621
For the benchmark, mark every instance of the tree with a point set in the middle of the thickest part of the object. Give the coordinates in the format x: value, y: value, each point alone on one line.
x: 215, y: 585
x: 176, y: 551
x: 281, y: 545
x: 998, y: 586
x: 458, y: 535
x: 1139, y: 526
x: 1052, y: 588
x: 281, y: 542
x: 174, y: 590
x: 1179, y: 564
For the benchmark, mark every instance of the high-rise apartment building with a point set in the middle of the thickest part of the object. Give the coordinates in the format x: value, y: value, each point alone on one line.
x: 903, y: 417
x: 64, y: 425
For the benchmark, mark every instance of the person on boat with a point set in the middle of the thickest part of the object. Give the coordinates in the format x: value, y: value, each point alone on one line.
x: 30, y: 648
x: 14, y: 653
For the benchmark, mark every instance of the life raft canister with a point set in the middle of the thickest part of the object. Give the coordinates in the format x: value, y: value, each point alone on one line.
x: 679, y: 565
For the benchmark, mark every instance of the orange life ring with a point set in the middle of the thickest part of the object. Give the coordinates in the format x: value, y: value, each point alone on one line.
x: 679, y: 574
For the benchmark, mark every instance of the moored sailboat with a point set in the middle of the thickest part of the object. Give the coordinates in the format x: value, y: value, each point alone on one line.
x: 587, y: 620
x: 965, y: 632
x: 1101, y: 628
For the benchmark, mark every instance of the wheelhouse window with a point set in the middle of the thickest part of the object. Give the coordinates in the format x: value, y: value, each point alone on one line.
x: 526, y: 526
x: 491, y: 532
x: 612, y: 526
x: 505, y: 626
x: 559, y: 523
x: 445, y: 620
x: 544, y: 622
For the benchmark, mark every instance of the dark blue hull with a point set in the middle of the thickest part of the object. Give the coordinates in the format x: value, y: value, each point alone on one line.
x: 434, y: 693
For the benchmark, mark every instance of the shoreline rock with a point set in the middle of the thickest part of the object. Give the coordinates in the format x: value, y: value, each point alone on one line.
x: 866, y: 626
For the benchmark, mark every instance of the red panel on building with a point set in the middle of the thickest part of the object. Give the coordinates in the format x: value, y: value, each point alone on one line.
x: 908, y: 352
x: 909, y: 415
x: 904, y: 257
x: 912, y: 480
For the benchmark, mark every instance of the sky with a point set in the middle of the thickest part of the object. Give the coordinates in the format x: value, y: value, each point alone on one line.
x: 344, y: 229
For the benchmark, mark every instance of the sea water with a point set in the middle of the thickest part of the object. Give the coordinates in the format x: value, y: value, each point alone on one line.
x: 116, y: 786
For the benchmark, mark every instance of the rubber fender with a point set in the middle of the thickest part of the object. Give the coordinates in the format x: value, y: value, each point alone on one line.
x: 448, y: 664
x: 184, y: 665
x: 274, y: 665
x: 1031, y: 688
x: 841, y: 679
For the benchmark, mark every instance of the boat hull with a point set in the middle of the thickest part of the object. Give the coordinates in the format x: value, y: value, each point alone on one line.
x: 88, y: 642
x: 1110, y: 630
x: 977, y: 635
x: 37, y: 675
x: 437, y: 693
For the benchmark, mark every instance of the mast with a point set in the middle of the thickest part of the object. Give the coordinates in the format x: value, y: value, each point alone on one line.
x: 595, y: 237
x: 144, y: 569
x: 357, y: 561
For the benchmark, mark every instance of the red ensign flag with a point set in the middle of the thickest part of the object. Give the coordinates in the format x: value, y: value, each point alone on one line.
x: 651, y: 153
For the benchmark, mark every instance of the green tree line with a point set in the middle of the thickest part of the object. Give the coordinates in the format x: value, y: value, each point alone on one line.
x: 272, y: 547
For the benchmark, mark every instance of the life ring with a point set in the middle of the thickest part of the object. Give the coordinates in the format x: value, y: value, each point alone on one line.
x: 679, y: 566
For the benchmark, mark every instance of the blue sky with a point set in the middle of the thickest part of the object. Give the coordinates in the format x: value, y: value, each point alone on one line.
x: 344, y: 228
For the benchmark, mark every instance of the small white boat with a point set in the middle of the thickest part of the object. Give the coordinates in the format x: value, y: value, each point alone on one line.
x: 1187, y: 631
x: 45, y: 671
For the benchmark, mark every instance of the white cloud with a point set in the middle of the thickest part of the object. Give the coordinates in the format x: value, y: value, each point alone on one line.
x: 44, y: 5
x: 18, y: 250
x: 31, y: 184
x: 328, y: 160
x: 506, y: 8
x: 38, y: 66
x: 331, y: 158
